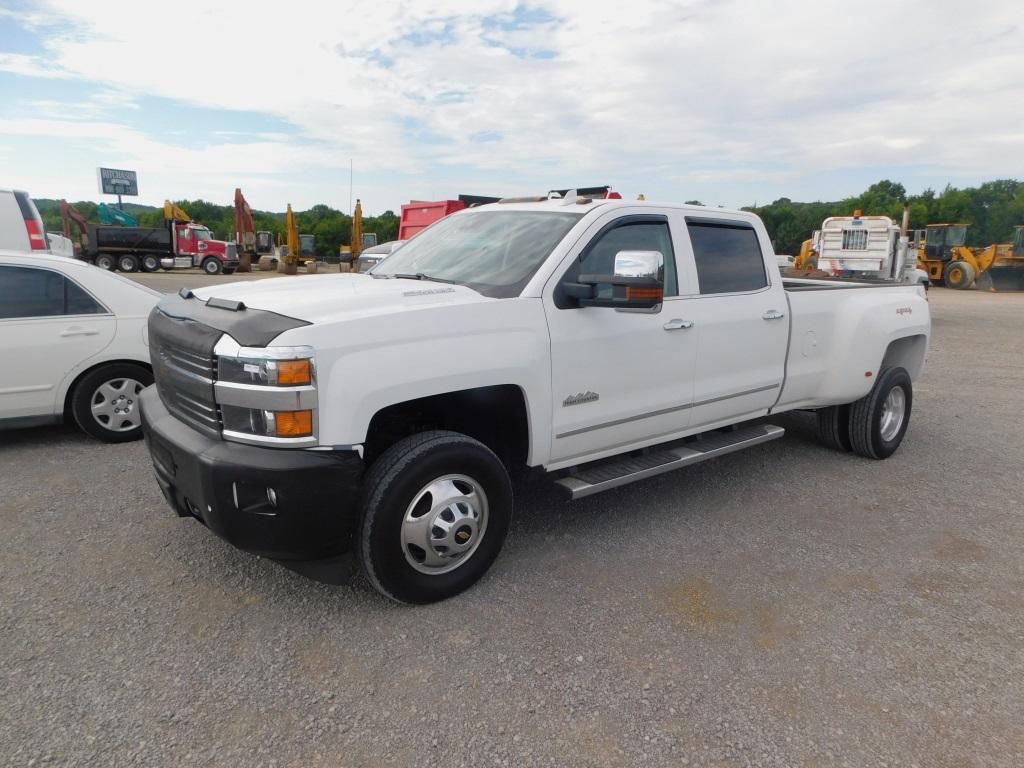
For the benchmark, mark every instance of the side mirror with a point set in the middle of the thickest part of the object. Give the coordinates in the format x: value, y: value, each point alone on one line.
x: 637, y: 283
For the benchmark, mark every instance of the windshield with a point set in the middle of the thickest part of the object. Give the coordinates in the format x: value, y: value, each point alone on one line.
x: 493, y: 252
x: 202, y: 233
x: 957, y: 236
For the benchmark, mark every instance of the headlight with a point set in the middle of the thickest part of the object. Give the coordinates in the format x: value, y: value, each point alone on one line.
x: 267, y: 396
x: 264, y: 372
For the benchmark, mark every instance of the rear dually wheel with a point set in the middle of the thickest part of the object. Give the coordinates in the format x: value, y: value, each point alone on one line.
x: 879, y: 420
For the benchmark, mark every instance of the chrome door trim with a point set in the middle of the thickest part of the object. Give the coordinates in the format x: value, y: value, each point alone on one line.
x: 664, y: 411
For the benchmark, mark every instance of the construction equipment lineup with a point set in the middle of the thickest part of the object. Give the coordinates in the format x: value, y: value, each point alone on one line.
x: 874, y: 247
x: 862, y: 247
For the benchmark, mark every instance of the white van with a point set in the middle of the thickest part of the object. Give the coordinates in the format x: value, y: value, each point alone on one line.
x: 21, y: 226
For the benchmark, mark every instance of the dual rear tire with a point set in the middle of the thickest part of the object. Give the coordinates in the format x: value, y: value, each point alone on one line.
x: 874, y: 426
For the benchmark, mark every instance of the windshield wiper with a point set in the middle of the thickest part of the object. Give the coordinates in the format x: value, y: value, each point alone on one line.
x: 423, y: 276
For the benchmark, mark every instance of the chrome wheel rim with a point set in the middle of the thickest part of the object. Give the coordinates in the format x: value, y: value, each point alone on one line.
x: 115, y: 404
x: 444, y: 524
x: 894, y: 410
x: 211, y: 268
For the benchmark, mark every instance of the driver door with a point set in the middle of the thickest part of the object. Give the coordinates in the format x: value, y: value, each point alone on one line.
x: 620, y: 377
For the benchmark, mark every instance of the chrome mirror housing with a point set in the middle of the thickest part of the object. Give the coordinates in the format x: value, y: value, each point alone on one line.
x: 648, y: 264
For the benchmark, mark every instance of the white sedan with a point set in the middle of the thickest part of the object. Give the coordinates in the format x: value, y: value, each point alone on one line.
x: 74, y: 343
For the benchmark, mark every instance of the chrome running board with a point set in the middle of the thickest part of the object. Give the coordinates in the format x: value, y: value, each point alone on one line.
x: 611, y: 473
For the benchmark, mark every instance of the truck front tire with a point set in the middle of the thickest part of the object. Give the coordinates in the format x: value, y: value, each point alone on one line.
x: 878, y: 421
x: 435, y: 512
x: 212, y: 266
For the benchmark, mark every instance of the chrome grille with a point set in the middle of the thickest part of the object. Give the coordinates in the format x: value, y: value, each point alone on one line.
x: 184, y: 369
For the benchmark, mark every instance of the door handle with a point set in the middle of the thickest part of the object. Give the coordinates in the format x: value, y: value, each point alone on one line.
x: 773, y: 314
x: 77, y: 330
x: 675, y: 325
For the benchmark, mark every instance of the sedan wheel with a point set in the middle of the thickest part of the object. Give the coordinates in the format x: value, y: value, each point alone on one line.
x: 105, y: 402
x: 115, y: 405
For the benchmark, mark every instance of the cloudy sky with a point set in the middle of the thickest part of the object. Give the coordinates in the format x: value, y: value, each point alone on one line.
x: 731, y: 103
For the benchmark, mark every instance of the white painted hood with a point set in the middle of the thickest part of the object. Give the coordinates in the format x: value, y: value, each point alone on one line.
x: 330, y: 298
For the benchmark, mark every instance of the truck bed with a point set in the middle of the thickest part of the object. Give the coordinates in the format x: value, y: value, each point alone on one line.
x: 836, y: 333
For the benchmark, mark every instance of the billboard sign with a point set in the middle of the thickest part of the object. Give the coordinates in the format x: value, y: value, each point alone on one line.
x: 117, y: 182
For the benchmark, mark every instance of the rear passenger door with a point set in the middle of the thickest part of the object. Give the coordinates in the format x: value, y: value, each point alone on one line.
x: 49, y: 325
x: 741, y: 319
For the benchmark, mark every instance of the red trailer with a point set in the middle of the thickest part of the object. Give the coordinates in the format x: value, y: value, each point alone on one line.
x: 420, y: 214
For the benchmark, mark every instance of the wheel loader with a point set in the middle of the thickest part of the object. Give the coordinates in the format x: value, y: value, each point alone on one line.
x: 942, y: 253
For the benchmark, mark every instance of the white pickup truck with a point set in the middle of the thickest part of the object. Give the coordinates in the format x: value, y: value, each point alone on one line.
x: 600, y: 342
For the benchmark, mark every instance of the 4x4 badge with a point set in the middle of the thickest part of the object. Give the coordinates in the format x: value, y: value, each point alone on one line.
x: 583, y: 397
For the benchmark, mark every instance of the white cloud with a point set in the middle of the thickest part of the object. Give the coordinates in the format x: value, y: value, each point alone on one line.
x: 669, y: 95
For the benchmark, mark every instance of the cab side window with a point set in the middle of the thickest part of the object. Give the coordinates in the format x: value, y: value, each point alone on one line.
x: 30, y: 292
x: 728, y: 257
x: 599, y: 258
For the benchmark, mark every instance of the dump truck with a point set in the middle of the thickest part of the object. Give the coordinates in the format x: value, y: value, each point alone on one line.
x: 179, y: 244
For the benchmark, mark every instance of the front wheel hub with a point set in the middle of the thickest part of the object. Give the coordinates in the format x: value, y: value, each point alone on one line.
x: 444, y: 524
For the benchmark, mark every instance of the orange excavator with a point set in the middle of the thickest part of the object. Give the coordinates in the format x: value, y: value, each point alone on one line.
x: 69, y: 214
x: 245, y: 232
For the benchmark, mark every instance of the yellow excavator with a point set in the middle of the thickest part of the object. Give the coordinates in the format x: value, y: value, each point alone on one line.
x: 941, y: 252
x: 174, y: 213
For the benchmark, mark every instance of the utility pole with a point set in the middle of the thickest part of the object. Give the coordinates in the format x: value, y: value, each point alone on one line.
x: 350, y: 186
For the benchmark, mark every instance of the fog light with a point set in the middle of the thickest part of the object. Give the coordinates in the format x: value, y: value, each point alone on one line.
x: 293, y: 423
x: 272, y: 497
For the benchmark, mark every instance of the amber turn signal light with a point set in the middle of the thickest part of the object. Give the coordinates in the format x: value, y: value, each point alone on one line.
x: 292, y: 373
x: 635, y: 293
x: 294, y: 423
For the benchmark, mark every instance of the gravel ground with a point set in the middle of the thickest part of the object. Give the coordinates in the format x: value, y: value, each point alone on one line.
x: 786, y: 606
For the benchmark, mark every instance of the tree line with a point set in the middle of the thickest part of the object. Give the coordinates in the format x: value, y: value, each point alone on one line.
x: 331, y: 227
x: 991, y: 210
